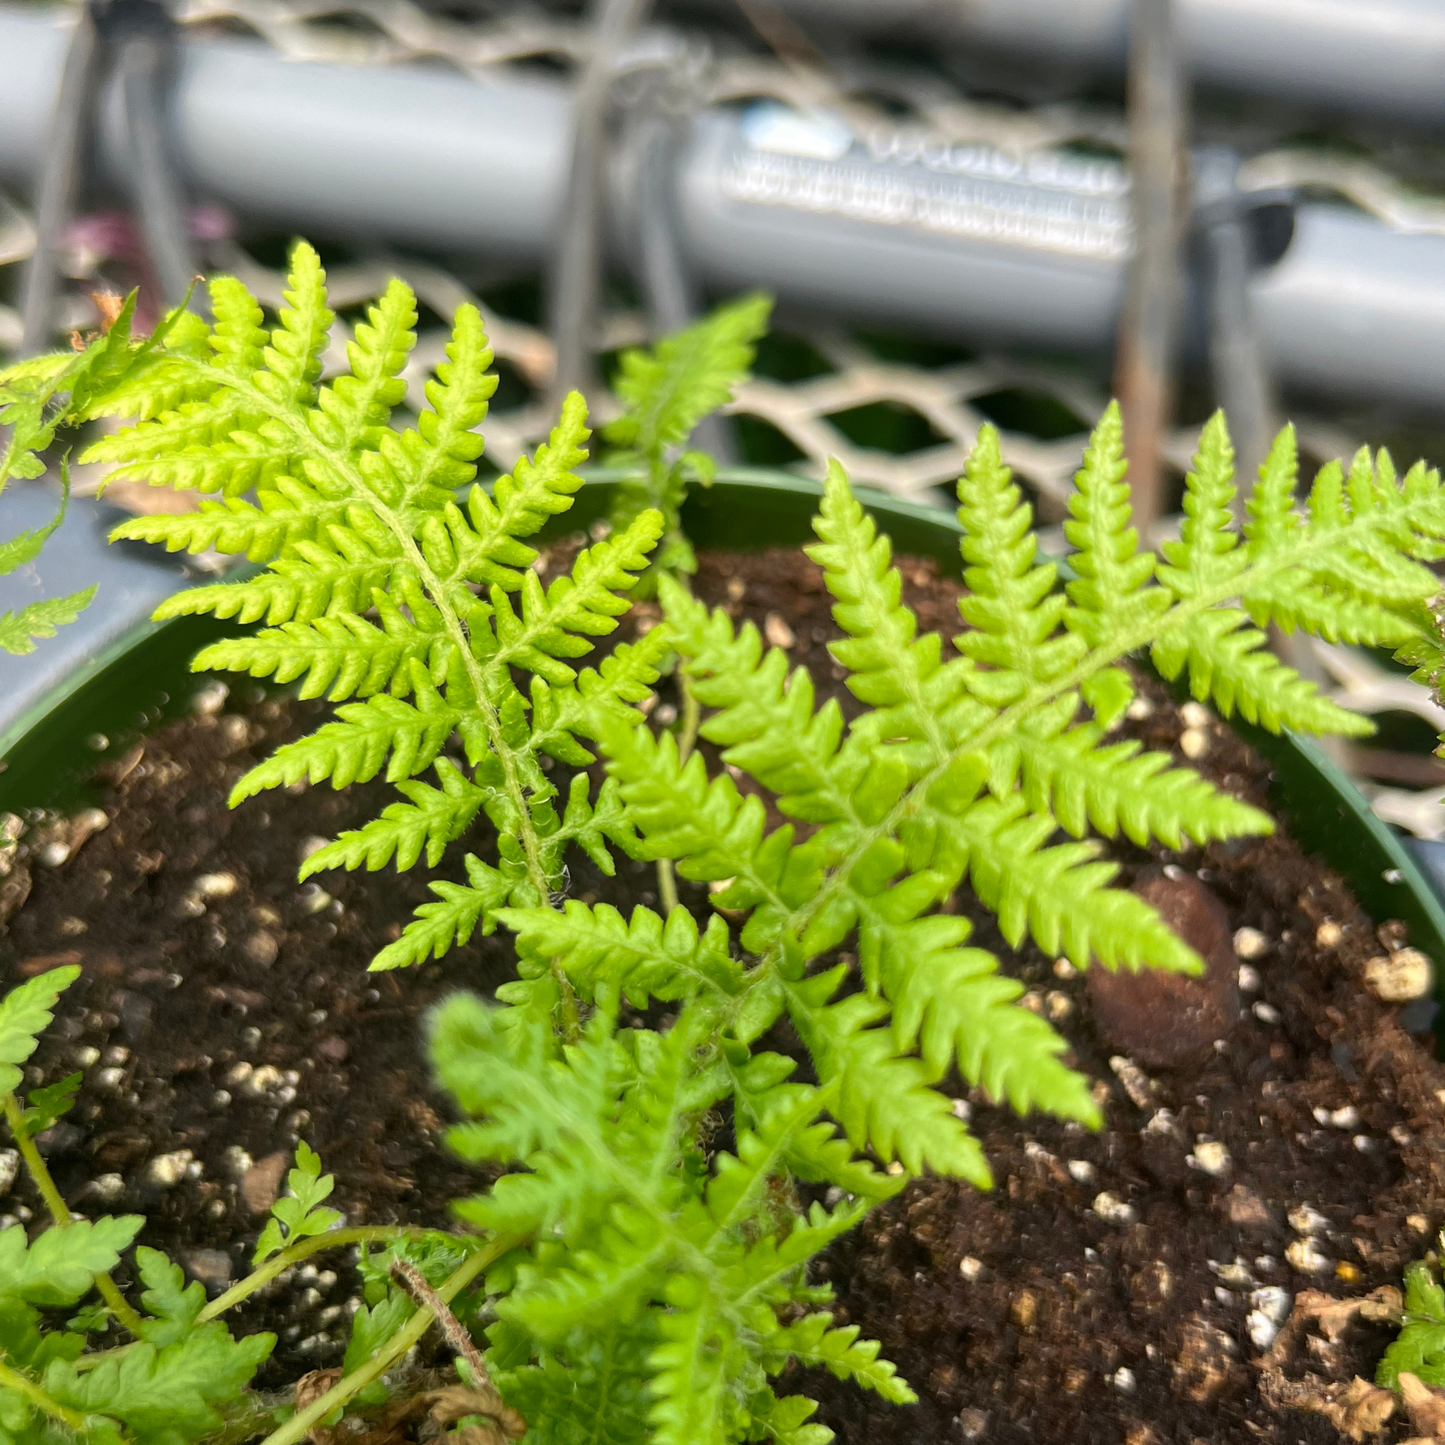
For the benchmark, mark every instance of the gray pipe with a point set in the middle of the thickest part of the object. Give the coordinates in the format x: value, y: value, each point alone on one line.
x: 1377, y: 57
x: 962, y: 241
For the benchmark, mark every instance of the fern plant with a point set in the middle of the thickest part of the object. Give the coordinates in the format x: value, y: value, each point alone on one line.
x: 664, y: 1278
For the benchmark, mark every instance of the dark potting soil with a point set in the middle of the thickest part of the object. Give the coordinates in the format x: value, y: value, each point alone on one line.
x: 1101, y: 1293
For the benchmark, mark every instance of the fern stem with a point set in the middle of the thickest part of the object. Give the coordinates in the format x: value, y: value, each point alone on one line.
x: 300, y: 1424
x: 59, y: 1211
x: 295, y: 1253
x: 12, y: 1379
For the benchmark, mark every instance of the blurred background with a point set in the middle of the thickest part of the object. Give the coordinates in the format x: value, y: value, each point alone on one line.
x: 968, y: 210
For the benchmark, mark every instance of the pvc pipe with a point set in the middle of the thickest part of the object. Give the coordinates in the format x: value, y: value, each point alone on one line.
x: 963, y: 242
x: 1378, y: 57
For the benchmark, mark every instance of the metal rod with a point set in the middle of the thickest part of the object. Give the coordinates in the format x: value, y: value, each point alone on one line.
x: 577, y: 261
x: 55, y: 192
x: 156, y: 196
x: 1144, y: 360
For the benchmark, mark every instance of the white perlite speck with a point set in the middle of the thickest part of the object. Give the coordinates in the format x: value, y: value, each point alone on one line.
x: 1306, y: 1258
x: 1250, y: 944
x: 1113, y: 1210
x: 970, y: 1268
x: 9, y: 1169
x: 1211, y: 1157
x: 1306, y: 1220
x: 1400, y: 976
x: 165, y: 1171
x: 1123, y: 1379
x: 1249, y: 979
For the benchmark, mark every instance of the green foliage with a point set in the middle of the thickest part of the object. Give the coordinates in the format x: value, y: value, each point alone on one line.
x: 1419, y: 1349
x: 37, y: 398
x: 355, y: 517
x: 667, y: 391
x: 298, y: 1214
x: 651, y: 1267
x: 654, y: 1282
x: 24, y: 1013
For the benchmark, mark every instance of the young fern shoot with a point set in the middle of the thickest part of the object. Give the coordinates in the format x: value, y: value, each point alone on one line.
x: 649, y: 1301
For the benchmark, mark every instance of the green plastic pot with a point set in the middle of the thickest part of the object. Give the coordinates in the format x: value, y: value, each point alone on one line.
x: 144, y: 677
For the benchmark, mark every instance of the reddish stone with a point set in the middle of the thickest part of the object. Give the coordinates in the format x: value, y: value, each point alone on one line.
x: 1171, y: 1020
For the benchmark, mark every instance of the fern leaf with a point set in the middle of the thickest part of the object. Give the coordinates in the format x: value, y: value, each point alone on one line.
x: 1011, y: 607
x: 1207, y: 552
x: 1117, y: 788
x: 25, y: 1012
x: 1230, y: 664
x: 60, y: 1265
x: 19, y: 630
x: 1111, y: 589
x: 690, y: 1365
x: 483, y: 545
x: 884, y: 1100
x: 455, y: 916
x: 430, y: 820
x: 608, y: 958
x: 690, y: 374
x: 406, y: 738
x: 844, y: 1355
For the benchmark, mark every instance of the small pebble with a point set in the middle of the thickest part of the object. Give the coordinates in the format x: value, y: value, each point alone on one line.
x: 737, y: 589
x: 314, y: 899
x: 1194, y: 715
x: 109, y: 1079
x: 777, y: 631
x: 972, y: 1423
x: 261, y: 948
x: 1058, y: 1006
x: 1400, y: 976
x: 1236, y: 1275
x: 1266, y: 1013
x: 1249, y: 979
x: 1135, y: 1081
x: 86, y: 1057
x: 1024, y: 1309
x: 1161, y: 1122
x: 1081, y: 1171
x: 1123, y: 1380
x: 1250, y: 944
x: 215, y: 885
x: 1211, y: 1157
x: 1363, y: 1143
x: 1303, y: 1256
x: 9, y: 1169
x: 211, y: 1266
x: 311, y: 846
x: 1328, y: 934
x: 961, y: 1109
x: 72, y: 927
x: 1064, y: 969
x: 1139, y: 709
x: 1418, y: 1222
x: 970, y: 1268
x: 117, y: 1054
x: 1307, y: 1221
x: 260, y: 1186
x: 1347, y: 1117
x: 1113, y: 1210
x: 165, y: 1171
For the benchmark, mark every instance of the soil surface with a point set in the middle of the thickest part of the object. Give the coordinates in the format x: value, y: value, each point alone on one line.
x: 1124, y: 1287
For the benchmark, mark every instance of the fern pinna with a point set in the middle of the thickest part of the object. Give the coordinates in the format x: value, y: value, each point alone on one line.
x: 651, y: 1300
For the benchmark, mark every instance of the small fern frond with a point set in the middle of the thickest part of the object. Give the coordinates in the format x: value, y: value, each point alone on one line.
x: 1110, y: 589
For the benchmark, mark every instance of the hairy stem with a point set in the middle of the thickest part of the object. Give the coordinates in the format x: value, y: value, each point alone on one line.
x: 295, y: 1253
x: 12, y: 1379
x: 299, y: 1425
x: 59, y: 1211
